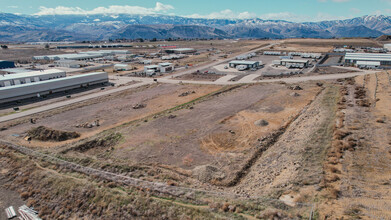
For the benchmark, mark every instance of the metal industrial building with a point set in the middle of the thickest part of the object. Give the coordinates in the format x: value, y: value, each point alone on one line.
x: 74, y: 56
x: 69, y: 63
x: 166, y: 67
x: 161, y: 67
x: 17, y: 92
x: 6, y: 64
x: 15, y: 70
x: 30, y: 77
x: 249, y: 64
x: 181, y: 50
x: 368, y: 64
x: 122, y: 67
x: 289, y: 63
x: 353, y: 58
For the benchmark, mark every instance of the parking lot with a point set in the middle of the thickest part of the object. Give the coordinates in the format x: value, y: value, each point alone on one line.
x: 266, y: 69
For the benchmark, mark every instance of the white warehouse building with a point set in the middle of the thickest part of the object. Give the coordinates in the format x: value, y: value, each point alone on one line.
x: 29, y: 90
x: 353, y: 58
x: 69, y: 63
x: 30, y: 77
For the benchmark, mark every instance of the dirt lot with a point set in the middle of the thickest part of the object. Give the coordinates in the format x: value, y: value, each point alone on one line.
x: 111, y: 110
x: 211, y: 133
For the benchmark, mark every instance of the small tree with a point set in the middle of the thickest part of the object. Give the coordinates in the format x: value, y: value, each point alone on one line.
x: 4, y: 47
x: 47, y: 47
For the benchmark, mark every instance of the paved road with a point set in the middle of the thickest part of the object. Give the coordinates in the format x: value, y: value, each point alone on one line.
x: 225, y: 78
x: 251, y: 79
x: 69, y: 102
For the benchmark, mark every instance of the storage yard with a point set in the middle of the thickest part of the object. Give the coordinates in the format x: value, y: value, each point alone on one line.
x: 220, y: 129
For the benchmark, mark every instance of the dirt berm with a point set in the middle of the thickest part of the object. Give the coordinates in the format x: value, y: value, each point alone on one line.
x: 43, y: 133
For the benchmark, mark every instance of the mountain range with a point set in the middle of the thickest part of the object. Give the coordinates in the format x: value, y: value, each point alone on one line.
x: 27, y: 28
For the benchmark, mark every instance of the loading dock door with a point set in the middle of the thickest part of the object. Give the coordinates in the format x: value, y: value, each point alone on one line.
x: 28, y: 80
x: 17, y: 82
x: 36, y: 79
x: 7, y: 83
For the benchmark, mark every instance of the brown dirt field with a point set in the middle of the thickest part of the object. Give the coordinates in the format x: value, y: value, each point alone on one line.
x: 200, y: 136
x: 285, y: 166
x: 111, y: 111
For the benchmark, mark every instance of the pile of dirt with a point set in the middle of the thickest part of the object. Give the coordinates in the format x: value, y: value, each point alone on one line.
x: 261, y: 123
x: 139, y: 106
x: 186, y: 93
x: 105, y: 142
x: 43, y: 133
x: 208, y: 173
x: 295, y: 87
x: 294, y: 94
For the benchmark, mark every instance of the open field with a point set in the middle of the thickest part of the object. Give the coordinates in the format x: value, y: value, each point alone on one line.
x: 205, y: 148
x: 111, y: 111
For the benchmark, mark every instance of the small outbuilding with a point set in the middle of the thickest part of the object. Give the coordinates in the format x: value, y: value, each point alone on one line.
x: 166, y: 67
x: 122, y: 67
x: 181, y: 50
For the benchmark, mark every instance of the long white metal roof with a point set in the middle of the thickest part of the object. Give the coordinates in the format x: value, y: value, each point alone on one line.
x: 41, y: 86
x: 30, y: 74
x: 294, y: 61
x: 368, y: 63
x: 244, y: 62
x: 368, y: 56
x: 48, y: 82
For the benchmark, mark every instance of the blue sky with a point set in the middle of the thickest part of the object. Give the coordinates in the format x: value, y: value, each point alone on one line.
x: 292, y: 10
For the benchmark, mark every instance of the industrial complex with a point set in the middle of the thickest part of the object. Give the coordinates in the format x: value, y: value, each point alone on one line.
x: 30, y: 77
x: 39, y: 88
x: 369, y: 59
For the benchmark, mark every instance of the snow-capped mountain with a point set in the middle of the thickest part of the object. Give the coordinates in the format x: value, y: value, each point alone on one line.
x: 101, y: 27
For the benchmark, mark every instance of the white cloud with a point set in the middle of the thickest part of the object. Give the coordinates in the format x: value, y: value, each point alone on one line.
x: 286, y: 16
x: 225, y: 14
x: 12, y: 6
x: 113, y: 9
